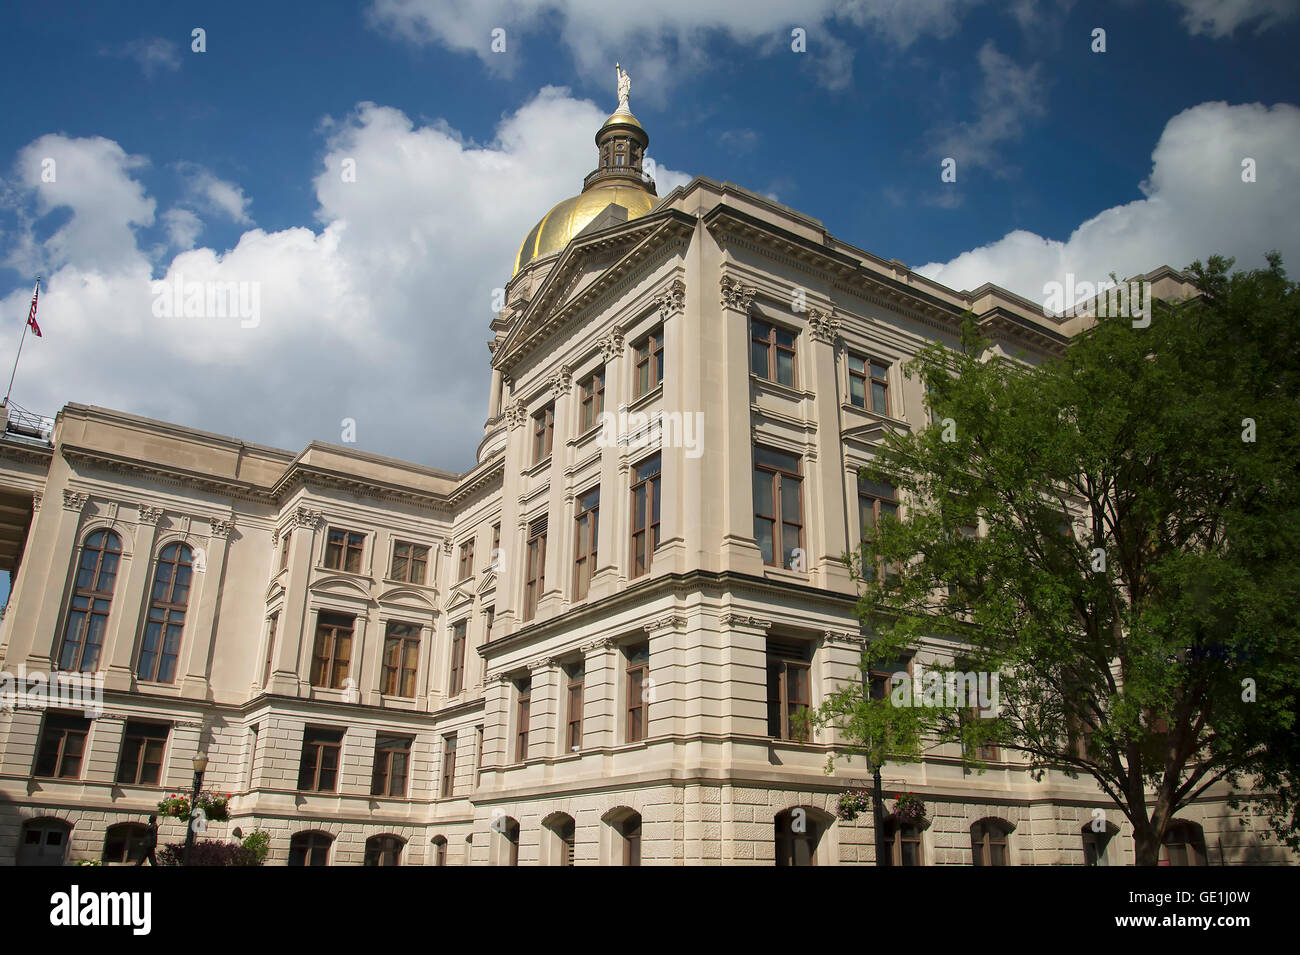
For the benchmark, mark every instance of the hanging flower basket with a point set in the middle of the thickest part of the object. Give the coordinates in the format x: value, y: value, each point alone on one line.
x: 215, y: 806
x: 852, y: 804
x: 909, y: 809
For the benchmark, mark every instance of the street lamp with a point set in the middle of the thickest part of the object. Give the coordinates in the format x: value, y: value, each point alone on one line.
x: 200, y: 764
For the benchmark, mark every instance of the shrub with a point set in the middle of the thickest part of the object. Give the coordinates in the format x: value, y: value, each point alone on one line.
x: 258, y: 842
x: 209, y: 852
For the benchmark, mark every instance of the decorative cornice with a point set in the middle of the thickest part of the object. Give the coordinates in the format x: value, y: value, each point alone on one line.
x: 611, y: 346
x: 74, y: 500
x: 744, y: 620
x: 736, y: 295
x: 823, y: 326
x: 672, y: 300
x: 306, y: 517
x: 149, y: 516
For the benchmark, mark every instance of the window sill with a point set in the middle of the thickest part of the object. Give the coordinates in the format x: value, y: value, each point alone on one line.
x: 645, y: 399
x: 897, y: 423
x: 537, y: 468
x: 390, y: 581
x: 780, y: 390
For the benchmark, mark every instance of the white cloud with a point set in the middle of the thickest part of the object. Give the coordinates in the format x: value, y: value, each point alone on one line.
x: 154, y: 54
x: 183, y: 227
x: 1220, y: 18
x: 1195, y: 205
x: 381, y: 314
x: 216, y: 194
x: 1008, y: 96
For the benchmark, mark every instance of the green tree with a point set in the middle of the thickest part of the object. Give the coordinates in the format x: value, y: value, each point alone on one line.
x: 1133, y: 579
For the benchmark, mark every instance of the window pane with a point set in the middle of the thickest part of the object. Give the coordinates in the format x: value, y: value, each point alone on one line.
x: 785, y: 367
x: 790, y: 498
x: 763, y: 532
x: 758, y: 359
x: 763, y: 494
x: 878, y: 402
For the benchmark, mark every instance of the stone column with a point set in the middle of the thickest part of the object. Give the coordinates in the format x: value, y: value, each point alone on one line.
x: 611, y: 545
x: 287, y: 676
x: 544, y: 715
x: 826, y: 477
x: 600, y: 693
x: 739, y: 552
x: 195, y: 663
x: 670, y: 555
x: 745, y: 666
x: 665, y: 709
x: 45, y: 637
x: 559, y: 531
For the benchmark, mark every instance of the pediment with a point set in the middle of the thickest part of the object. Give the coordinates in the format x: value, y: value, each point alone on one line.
x: 873, y: 432
x: 457, y: 597
x: 340, y: 586
x: 488, y: 584
x: 275, y: 591
x: 410, y: 597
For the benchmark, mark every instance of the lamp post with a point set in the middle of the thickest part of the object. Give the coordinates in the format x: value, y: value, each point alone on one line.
x: 878, y: 813
x: 200, y: 764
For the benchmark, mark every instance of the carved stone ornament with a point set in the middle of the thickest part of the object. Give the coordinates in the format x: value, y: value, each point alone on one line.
x: 736, y: 295
x: 74, y: 500
x: 823, y: 327
x: 672, y: 300
x: 543, y: 664
x: 561, y: 382
x: 842, y: 636
x: 516, y: 415
x: 306, y: 517
x: 669, y: 621
x: 611, y: 346
x: 221, y: 528
x: 446, y: 547
x: 36, y: 500
x: 150, y: 515
x: 603, y: 643
x: 744, y: 620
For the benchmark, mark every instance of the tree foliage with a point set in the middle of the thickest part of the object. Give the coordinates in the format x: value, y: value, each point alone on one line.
x: 1133, y: 578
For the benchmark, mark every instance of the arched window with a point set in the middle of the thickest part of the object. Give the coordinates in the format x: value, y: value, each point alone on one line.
x: 92, y: 595
x: 439, y: 850
x: 167, y: 603
x: 1184, y: 844
x: 310, y: 848
x: 123, y: 842
x: 903, y: 843
x: 44, y: 842
x: 1096, y: 843
x: 508, y: 843
x: 384, y: 850
x: 797, y: 834
x: 988, y: 841
x: 562, y: 831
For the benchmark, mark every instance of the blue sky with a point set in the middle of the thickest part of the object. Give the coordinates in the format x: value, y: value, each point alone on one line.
x: 375, y: 295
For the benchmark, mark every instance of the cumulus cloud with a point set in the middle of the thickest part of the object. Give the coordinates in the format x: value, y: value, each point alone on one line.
x: 1220, y: 18
x: 380, y: 314
x: 215, y: 194
x: 183, y: 227
x: 1194, y: 205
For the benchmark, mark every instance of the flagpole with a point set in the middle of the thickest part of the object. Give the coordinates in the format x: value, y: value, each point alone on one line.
x: 20, y: 345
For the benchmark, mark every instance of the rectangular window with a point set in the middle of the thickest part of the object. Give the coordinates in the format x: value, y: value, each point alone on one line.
x: 584, y: 545
x: 592, y: 396
x: 788, y: 674
x: 448, y: 764
x: 478, y: 754
x: 457, y: 682
x: 523, y: 704
x: 284, y: 548
x: 466, y: 560
x: 63, y: 743
x: 649, y: 369
x: 270, y: 649
x: 392, y: 766
x: 333, y: 650
x: 535, y: 581
x: 645, y: 514
x: 141, y: 760
x: 876, y: 503
x: 496, y: 548
x: 778, y: 506
x: 319, y: 770
x: 638, y: 691
x: 771, y: 353
x: 491, y: 615
x: 869, y: 384
x: 343, y: 550
x: 401, y: 659
x: 986, y: 752
x: 573, y: 734
x: 543, y: 433
x: 410, y: 561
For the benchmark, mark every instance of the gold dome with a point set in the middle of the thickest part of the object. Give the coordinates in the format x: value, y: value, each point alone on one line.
x: 571, y: 216
x: 621, y: 115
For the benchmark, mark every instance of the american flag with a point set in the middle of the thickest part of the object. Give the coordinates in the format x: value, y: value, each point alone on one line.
x: 31, y: 316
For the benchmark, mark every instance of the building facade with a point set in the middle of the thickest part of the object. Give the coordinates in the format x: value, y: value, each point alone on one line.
x: 588, y: 648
